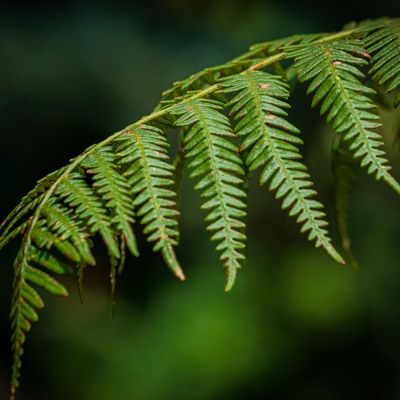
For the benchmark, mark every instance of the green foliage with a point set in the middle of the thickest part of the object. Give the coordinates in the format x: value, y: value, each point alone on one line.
x: 215, y: 159
x: 384, y: 46
x: 143, y: 154
x: 232, y: 119
x: 334, y: 71
x: 270, y: 141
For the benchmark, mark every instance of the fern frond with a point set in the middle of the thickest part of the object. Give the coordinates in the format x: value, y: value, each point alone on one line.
x: 144, y: 151
x: 90, y: 196
x: 383, y: 43
x: 129, y: 174
x: 345, y: 175
x: 26, y: 300
x: 14, y: 232
x: 48, y: 261
x: 259, y: 109
x: 62, y: 221
x: 28, y: 203
x: 114, y: 189
x: 88, y: 206
x: 44, y: 238
x: 214, y: 160
x: 335, y: 75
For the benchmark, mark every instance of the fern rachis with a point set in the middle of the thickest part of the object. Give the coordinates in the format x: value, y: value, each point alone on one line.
x: 230, y: 118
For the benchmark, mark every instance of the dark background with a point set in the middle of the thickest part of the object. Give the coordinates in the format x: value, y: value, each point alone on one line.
x: 296, y: 326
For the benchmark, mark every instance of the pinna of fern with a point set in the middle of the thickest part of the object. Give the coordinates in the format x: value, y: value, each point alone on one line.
x: 270, y: 140
x: 232, y: 118
x: 215, y: 160
x: 335, y: 75
x: 384, y: 45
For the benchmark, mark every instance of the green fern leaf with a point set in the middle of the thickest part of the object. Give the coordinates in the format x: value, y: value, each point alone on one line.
x: 19, y: 230
x: 384, y: 45
x: 214, y: 159
x: 259, y: 109
x: 46, y: 239
x: 334, y: 72
x: 44, y: 280
x: 143, y: 151
x: 48, y: 261
x: 113, y: 188
x: 28, y: 203
x: 62, y: 221
x: 89, y: 207
x: 26, y: 301
x: 129, y: 174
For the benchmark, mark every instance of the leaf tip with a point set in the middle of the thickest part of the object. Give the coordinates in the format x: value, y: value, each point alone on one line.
x: 335, y: 255
x: 179, y: 273
x: 231, y: 279
x: 171, y: 260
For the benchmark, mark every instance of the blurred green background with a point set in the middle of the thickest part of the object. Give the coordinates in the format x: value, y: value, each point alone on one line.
x: 296, y: 326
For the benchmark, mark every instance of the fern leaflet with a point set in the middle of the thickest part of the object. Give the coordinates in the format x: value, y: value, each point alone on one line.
x: 143, y: 151
x: 259, y: 109
x: 215, y: 160
x: 334, y: 72
x: 114, y: 188
x: 88, y: 206
x: 384, y: 45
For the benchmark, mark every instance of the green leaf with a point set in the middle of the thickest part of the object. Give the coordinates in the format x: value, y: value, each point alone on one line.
x: 28, y: 202
x: 384, y: 45
x: 19, y: 230
x: 113, y: 187
x: 47, y: 240
x: 259, y: 108
x: 129, y: 174
x: 44, y: 280
x: 215, y: 161
x: 89, y: 207
x: 143, y: 154
x: 25, y: 301
x: 333, y: 70
x: 48, y: 261
x: 62, y: 221
x: 32, y: 296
